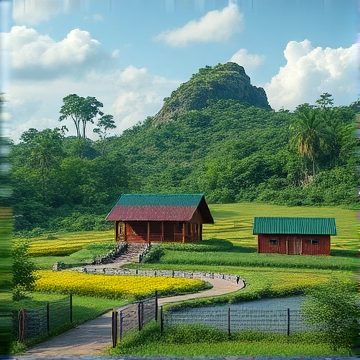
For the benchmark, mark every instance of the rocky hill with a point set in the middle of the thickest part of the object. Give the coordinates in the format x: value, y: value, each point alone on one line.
x: 221, y: 82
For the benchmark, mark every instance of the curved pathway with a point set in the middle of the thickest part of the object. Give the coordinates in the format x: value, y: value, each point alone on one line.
x: 91, y: 337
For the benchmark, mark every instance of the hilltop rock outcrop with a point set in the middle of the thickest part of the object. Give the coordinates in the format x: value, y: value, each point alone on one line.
x: 210, y: 84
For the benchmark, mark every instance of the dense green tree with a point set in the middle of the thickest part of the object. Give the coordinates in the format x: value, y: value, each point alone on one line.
x: 44, y: 154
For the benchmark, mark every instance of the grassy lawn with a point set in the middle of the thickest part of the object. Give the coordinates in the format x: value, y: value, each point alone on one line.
x: 199, y: 341
x: 84, y: 307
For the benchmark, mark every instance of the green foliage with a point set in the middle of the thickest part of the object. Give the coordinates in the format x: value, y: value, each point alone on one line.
x: 23, y: 268
x: 194, y: 341
x: 203, y: 246
x: 85, y: 222
x: 334, y: 310
x: 19, y: 292
x: 154, y: 254
x: 193, y: 333
x: 81, y: 110
x: 239, y: 257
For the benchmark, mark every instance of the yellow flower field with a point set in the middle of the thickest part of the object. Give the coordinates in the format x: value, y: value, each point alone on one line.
x: 57, y: 247
x: 113, y: 286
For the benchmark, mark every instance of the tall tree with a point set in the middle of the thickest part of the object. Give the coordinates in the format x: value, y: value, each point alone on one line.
x: 309, y: 134
x: 81, y: 110
x: 105, y: 123
x: 44, y: 153
x: 325, y: 101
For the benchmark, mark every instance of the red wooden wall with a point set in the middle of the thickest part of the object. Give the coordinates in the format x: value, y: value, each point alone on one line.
x: 158, y: 231
x: 294, y: 244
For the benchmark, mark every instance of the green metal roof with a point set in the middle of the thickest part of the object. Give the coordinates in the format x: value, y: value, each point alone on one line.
x: 160, y: 199
x: 294, y: 225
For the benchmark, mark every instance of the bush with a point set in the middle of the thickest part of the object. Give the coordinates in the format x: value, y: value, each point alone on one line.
x: 23, y: 268
x: 333, y: 309
x: 19, y: 293
x: 154, y: 255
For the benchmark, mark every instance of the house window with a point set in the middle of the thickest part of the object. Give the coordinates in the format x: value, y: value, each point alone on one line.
x: 273, y: 242
x: 314, y: 242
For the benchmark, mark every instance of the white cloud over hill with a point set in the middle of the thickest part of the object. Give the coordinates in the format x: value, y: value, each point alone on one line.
x: 310, y: 72
x: 215, y: 26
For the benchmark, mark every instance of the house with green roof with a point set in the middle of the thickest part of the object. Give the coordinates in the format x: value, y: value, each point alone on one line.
x: 293, y: 235
x: 147, y: 218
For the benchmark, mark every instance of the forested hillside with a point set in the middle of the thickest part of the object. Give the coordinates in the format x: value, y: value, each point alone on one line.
x: 218, y: 144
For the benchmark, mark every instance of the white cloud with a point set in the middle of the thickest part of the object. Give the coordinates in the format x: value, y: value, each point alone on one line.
x: 129, y: 95
x: 310, y: 72
x: 216, y: 26
x: 37, y: 56
x: 70, y: 66
x: 248, y: 61
x: 32, y: 12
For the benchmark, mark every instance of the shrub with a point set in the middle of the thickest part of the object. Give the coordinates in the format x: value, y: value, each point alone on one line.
x: 23, y: 269
x: 333, y: 309
x: 154, y: 255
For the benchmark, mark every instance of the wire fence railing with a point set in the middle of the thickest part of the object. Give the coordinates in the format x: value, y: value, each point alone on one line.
x: 29, y: 324
x: 133, y: 317
x: 285, y: 321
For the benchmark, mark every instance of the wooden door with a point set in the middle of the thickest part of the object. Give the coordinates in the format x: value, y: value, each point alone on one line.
x: 294, y: 245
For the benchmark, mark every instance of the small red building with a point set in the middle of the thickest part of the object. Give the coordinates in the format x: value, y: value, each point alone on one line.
x: 294, y: 236
x: 146, y: 218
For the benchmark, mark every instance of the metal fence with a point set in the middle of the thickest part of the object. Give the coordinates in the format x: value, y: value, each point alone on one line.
x: 133, y: 317
x: 235, y: 320
x: 33, y: 323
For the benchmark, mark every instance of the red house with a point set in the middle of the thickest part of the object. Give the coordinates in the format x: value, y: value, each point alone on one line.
x: 294, y: 236
x: 146, y: 218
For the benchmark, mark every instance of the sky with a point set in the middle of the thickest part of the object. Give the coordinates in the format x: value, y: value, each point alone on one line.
x: 131, y: 54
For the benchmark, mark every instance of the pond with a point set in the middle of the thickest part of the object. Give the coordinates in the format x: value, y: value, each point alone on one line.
x: 279, y: 315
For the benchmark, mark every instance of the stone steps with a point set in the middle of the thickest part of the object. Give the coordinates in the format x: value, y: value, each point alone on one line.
x: 132, y: 252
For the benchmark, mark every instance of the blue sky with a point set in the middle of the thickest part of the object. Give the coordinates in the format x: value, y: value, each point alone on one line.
x: 130, y: 54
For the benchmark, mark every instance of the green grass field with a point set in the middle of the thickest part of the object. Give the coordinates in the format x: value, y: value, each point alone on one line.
x: 228, y: 247
x: 234, y: 222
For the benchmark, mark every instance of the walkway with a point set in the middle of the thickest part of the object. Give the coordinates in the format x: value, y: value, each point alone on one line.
x: 90, y: 338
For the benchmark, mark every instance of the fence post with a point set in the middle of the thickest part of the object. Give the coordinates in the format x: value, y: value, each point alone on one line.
x: 71, y: 309
x: 48, y: 317
x: 161, y: 319
x: 156, y: 305
x: 22, y: 325
x: 114, y: 328
x: 229, y: 319
x: 288, y: 322
x: 139, y: 316
x: 142, y: 314
x: 121, y: 326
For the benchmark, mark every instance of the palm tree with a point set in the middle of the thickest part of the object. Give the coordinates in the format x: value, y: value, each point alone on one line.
x: 309, y: 134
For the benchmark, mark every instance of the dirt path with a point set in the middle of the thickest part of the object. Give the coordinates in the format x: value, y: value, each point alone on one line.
x: 91, y: 337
